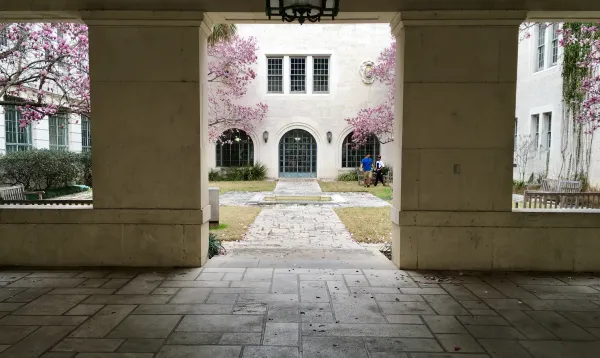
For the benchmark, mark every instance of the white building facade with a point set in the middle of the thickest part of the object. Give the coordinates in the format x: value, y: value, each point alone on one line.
x: 310, y: 78
x: 60, y: 132
x: 540, y: 116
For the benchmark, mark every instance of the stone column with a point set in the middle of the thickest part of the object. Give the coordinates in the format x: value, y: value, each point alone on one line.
x: 455, y: 106
x: 148, y: 75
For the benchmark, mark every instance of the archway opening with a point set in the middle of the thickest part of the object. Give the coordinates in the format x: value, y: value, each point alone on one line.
x: 297, y: 155
x: 234, y: 148
x: 353, y: 154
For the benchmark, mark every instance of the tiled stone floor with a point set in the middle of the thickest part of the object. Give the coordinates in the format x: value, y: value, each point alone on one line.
x: 291, y: 312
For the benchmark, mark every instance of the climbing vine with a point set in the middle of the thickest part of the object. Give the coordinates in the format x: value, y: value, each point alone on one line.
x: 580, y: 95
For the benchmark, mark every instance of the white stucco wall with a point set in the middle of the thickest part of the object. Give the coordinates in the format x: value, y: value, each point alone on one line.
x: 539, y: 92
x: 348, y: 47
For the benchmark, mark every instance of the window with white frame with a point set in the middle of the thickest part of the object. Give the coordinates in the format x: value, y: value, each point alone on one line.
x: 275, y: 75
x: 59, y: 132
x: 298, y: 74
x: 535, y: 129
x: 321, y: 74
x: 555, y: 43
x: 548, y: 130
x: 541, y: 46
x: 86, y: 134
x: 17, y: 138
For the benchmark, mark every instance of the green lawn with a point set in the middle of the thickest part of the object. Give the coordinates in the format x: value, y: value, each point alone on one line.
x: 252, y: 186
x: 234, y: 222
x: 368, y: 225
x: 382, y: 192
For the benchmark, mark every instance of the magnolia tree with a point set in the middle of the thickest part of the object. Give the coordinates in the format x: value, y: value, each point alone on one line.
x: 229, y: 74
x: 587, y: 41
x: 378, y: 120
x: 44, y: 69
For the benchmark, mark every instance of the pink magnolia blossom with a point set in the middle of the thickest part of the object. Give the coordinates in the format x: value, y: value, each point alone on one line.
x: 230, y: 73
x: 378, y: 120
x: 589, y: 112
x: 44, y: 68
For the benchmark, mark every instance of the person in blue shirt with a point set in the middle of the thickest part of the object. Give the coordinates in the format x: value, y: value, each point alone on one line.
x: 366, y: 165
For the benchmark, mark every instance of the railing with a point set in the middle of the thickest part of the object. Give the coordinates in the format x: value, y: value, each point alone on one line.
x: 553, y: 200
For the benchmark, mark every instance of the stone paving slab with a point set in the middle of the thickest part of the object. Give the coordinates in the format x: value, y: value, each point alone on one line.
x: 376, y: 319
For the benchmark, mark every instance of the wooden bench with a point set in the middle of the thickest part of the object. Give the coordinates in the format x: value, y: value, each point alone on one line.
x: 18, y: 192
x: 547, y: 200
x: 558, y: 186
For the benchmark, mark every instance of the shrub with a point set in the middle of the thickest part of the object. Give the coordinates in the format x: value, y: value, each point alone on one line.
x: 86, y: 168
x: 249, y: 173
x: 41, y: 169
x: 348, y: 176
x: 215, y: 247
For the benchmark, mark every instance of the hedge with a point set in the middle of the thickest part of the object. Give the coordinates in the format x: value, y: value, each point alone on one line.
x: 46, y: 169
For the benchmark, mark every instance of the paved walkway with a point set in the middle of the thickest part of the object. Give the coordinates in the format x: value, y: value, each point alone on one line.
x: 292, y: 312
x: 302, y: 288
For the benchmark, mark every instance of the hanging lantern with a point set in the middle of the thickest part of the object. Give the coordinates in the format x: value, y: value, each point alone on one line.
x: 302, y: 10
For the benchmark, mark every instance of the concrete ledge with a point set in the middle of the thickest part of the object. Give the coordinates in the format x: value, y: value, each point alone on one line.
x: 525, y: 241
x: 33, y: 215
x: 129, y: 245
x: 104, y: 237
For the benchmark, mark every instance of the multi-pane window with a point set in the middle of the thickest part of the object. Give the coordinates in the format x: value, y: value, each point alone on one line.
x: 59, y: 132
x: 352, y: 155
x: 541, y: 46
x: 554, y: 43
x: 321, y: 74
x: 4, y: 36
x: 548, y: 127
x: 275, y: 75
x: 17, y: 138
x: 535, y: 128
x: 298, y: 74
x: 86, y: 134
x: 235, y: 149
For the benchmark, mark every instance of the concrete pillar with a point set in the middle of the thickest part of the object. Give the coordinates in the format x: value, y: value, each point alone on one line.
x: 455, y: 103
x: 148, y: 75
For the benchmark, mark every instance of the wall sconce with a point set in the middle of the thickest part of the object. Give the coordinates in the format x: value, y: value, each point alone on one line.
x: 266, y: 136
x: 329, y: 136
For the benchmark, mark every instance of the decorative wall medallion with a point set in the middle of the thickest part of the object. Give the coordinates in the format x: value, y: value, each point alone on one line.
x: 366, y: 72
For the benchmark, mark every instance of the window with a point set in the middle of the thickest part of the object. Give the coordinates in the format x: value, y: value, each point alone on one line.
x: 554, y: 43
x: 17, y: 139
x: 541, y: 46
x: 4, y: 36
x: 275, y: 75
x: 235, y: 149
x: 321, y: 74
x: 351, y: 155
x: 86, y: 134
x: 516, y: 131
x: 548, y: 129
x: 298, y: 74
x: 59, y: 132
x: 535, y: 124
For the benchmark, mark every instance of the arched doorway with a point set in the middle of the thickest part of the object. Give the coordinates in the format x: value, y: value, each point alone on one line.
x: 234, y: 148
x: 297, y: 155
x: 352, y: 155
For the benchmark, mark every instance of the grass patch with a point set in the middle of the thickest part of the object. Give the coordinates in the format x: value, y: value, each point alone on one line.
x: 380, y: 191
x: 252, y: 186
x: 234, y: 222
x: 367, y: 225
